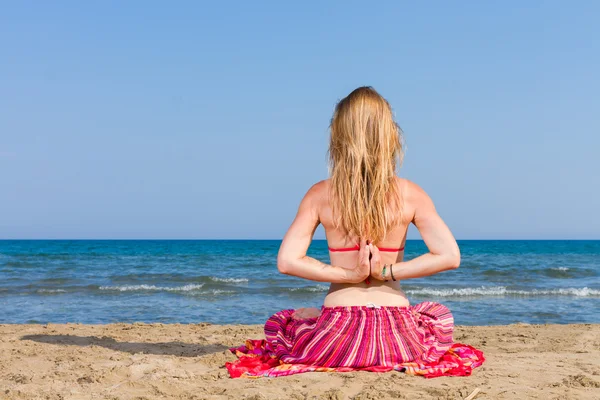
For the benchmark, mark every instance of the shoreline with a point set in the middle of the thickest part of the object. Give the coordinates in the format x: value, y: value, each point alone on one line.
x: 148, y: 361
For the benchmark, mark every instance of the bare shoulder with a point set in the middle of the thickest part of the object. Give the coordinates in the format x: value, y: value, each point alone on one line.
x: 414, y: 196
x: 410, y: 190
x: 317, y: 192
x: 320, y: 186
x: 319, y: 189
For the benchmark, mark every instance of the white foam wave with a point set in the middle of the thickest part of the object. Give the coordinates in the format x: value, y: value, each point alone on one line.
x: 51, y: 291
x: 579, y: 292
x: 317, y: 288
x: 503, y: 291
x: 229, y: 280
x: 218, y: 291
x: 482, y: 291
x: 145, y: 288
x: 560, y: 269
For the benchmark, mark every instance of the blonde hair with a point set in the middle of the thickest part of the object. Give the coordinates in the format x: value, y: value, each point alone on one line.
x: 364, y: 151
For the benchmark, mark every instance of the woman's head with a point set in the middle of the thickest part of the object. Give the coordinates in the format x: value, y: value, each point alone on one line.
x: 364, y: 151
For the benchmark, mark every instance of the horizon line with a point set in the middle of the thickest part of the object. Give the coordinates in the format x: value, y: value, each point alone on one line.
x: 243, y: 239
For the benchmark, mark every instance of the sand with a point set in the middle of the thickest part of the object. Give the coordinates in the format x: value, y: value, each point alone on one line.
x: 181, y: 361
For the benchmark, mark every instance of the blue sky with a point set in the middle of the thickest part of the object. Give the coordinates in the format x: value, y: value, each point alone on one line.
x: 209, y: 120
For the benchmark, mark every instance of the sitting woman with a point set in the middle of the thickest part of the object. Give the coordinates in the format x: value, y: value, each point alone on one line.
x: 366, y: 322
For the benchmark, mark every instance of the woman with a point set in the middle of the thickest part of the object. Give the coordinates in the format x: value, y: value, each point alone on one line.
x: 366, y: 322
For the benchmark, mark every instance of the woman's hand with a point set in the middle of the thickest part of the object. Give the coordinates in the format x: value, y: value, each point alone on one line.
x: 376, y: 267
x: 363, y: 267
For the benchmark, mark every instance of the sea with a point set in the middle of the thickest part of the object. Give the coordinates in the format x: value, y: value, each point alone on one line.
x: 237, y: 282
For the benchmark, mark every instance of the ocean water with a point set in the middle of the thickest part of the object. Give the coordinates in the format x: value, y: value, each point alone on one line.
x: 236, y: 281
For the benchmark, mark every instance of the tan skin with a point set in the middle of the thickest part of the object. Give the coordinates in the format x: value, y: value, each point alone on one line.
x: 349, y: 270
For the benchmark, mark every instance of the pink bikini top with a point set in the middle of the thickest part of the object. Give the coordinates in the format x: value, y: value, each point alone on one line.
x: 357, y: 248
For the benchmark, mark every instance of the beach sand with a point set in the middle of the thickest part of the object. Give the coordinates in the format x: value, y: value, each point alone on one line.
x: 156, y: 361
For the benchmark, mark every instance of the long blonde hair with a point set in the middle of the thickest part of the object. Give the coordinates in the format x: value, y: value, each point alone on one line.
x: 364, y: 151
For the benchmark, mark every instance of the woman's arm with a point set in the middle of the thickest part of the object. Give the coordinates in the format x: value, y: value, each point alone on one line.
x: 443, y: 250
x: 292, y: 258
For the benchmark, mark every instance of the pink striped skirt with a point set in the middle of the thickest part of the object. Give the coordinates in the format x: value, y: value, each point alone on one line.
x: 415, y: 339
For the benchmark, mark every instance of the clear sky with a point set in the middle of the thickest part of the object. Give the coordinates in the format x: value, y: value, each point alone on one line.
x: 153, y: 119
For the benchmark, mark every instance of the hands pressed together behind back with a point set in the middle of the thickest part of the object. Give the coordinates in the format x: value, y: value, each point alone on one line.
x: 368, y: 264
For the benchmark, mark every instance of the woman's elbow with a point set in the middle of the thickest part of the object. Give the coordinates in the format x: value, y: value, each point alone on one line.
x: 454, y: 260
x: 284, y: 266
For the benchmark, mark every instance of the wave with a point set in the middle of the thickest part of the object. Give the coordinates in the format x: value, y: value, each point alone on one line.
x: 148, y: 288
x: 161, y: 278
x: 191, y: 289
x: 229, y: 280
x: 317, y: 288
x: 218, y: 291
x: 503, y: 291
x: 552, y: 272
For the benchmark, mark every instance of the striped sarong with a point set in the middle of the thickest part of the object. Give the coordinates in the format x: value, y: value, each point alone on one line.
x: 415, y: 339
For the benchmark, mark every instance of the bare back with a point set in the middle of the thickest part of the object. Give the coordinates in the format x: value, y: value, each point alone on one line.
x: 417, y: 208
x: 377, y: 292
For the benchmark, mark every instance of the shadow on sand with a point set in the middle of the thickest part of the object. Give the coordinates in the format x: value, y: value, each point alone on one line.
x: 179, y: 349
